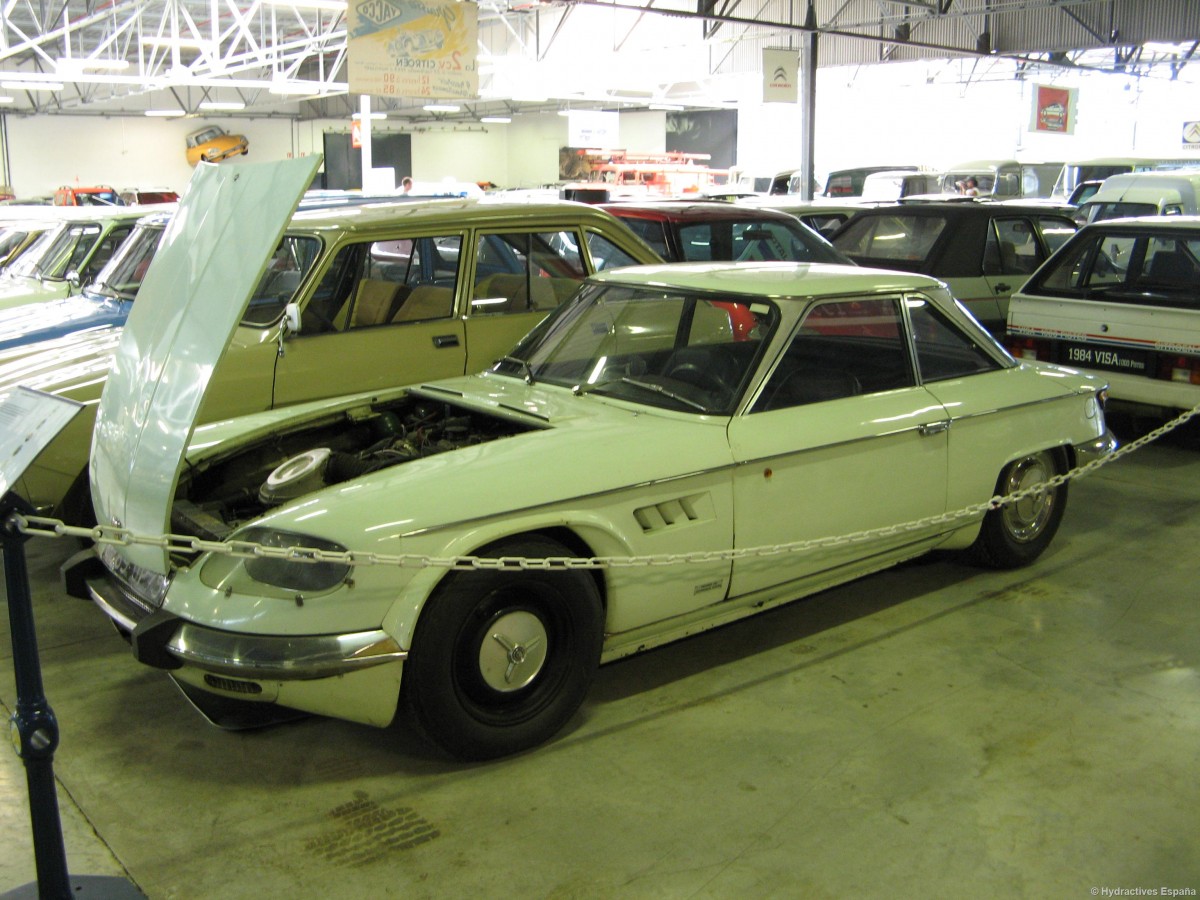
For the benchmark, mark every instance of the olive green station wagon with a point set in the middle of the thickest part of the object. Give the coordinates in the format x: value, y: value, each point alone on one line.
x: 353, y: 299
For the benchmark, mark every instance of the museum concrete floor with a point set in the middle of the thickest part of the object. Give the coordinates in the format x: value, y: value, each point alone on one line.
x: 932, y: 731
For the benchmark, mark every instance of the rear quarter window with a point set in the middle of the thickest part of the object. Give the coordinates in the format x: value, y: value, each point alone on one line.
x: 891, y: 238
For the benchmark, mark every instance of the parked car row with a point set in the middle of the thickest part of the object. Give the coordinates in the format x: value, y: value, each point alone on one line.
x: 699, y: 408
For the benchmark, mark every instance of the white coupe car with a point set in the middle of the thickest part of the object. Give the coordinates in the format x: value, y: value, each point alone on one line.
x: 727, y: 414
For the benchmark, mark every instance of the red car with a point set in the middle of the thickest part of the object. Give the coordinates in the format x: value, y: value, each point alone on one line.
x: 700, y: 231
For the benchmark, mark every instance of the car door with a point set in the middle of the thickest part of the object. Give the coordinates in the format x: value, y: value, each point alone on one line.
x: 839, y: 439
x: 384, y: 313
x: 1016, y: 246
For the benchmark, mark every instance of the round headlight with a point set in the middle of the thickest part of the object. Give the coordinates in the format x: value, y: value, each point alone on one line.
x: 294, y: 574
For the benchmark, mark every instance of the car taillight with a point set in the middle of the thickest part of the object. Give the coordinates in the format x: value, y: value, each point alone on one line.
x: 1029, y: 348
x: 1184, y: 369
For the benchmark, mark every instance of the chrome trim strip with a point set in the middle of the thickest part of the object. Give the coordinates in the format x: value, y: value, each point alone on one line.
x: 281, y: 657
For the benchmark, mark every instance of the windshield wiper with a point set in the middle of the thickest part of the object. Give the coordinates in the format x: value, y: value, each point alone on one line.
x: 522, y: 364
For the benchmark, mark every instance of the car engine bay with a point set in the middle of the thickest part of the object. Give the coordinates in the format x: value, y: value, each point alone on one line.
x: 215, y: 498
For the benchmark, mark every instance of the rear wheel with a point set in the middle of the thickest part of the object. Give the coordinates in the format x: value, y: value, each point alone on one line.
x: 1018, y: 533
x: 501, y: 660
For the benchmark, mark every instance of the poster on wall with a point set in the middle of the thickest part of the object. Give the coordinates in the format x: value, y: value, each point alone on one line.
x: 1053, y: 109
x: 413, y: 48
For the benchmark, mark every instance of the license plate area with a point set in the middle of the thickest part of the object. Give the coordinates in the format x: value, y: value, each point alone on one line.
x: 1109, y: 359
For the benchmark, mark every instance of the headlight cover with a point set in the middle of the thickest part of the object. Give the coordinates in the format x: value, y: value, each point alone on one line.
x: 292, y: 575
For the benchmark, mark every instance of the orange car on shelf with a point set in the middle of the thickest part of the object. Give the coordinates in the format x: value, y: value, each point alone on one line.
x: 214, y: 144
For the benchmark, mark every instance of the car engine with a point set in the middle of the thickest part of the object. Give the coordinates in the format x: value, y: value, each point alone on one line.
x: 215, y: 497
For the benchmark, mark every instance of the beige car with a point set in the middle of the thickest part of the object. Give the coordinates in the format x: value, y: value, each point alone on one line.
x: 353, y: 299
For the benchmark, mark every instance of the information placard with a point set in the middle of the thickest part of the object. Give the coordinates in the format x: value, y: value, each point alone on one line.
x: 29, y: 420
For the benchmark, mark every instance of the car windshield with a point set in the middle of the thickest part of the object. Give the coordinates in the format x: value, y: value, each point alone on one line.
x: 667, y: 348
x: 285, y: 271
x: 1098, y: 212
x: 57, y: 252
x: 123, y: 274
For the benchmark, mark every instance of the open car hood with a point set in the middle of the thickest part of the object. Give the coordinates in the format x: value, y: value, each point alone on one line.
x: 196, y: 290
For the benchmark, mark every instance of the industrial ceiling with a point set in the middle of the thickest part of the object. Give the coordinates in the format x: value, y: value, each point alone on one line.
x: 288, y: 58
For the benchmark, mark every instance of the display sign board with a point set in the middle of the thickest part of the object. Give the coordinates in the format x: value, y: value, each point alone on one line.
x: 413, y: 48
x: 1191, y: 136
x: 780, y: 69
x: 1053, y: 109
x: 29, y: 420
x: 593, y: 128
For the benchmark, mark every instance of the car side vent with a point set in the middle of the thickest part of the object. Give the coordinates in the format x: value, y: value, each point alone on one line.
x: 674, y: 513
x: 232, y: 686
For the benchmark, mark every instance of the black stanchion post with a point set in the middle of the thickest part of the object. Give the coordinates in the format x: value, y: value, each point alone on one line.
x: 35, y: 734
x: 34, y: 726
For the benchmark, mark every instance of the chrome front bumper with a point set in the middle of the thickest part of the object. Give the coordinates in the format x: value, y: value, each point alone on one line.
x: 166, y: 641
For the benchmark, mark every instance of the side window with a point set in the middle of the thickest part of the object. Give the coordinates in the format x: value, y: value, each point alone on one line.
x: 1055, y: 231
x: 944, y: 350
x: 403, y: 280
x: 842, y: 349
x: 1017, y: 249
x: 525, y: 272
x: 292, y: 260
x: 607, y: 255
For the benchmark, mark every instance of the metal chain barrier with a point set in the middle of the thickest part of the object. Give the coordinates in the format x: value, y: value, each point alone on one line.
x: 41, y: 526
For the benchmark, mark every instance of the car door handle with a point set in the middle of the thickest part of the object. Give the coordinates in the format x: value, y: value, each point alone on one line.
x: 445, y: 340
x: 1003, y: 288
x: 931, y: 428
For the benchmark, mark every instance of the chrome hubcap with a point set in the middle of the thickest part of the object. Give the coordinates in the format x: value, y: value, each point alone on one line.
x: 1026, y: 518
x: 514, y: 651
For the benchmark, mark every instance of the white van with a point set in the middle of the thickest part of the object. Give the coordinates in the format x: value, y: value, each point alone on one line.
x: 1170, y: 193
x: 1004, y: 179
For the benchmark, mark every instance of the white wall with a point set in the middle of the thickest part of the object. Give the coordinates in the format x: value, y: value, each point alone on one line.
x: 905, y: 114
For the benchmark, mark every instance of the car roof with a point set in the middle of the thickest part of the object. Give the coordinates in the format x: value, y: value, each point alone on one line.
x: 454, y: 212
x: 967, y: 206
x: 694, y: 211
x: 1146, y: 223
x: 780, y: 280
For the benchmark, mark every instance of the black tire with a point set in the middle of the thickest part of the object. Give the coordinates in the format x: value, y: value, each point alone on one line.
x: 500, y: 661
x: 1017, y: 534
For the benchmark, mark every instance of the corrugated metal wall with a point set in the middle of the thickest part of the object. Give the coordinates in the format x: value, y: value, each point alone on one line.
x: 1012, y: 26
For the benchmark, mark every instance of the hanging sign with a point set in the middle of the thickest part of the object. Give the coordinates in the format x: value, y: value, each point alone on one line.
x: 413, y: 48
x: 781, y: 70
x: 1191, y: 136
x: 1053, y: 109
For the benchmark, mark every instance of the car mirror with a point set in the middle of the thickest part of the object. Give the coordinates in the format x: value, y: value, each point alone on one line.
x: 74, y: 279
x: 291, y: 318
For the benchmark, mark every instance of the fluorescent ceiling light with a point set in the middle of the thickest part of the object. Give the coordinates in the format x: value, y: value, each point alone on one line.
x: 495, y: 120
x: 165, y: 113
x: 7, y: 100
x: 31, y: 85
x: 441, y: 107
x: 222, y: 104
x: 670, y: 107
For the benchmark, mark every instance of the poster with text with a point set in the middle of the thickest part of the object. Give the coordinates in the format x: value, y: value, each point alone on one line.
x: 413, y: 48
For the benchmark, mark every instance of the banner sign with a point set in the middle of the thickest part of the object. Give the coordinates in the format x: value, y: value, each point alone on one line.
x: 1053, y: 109
x: 781, y: 72
x: 413, y: 48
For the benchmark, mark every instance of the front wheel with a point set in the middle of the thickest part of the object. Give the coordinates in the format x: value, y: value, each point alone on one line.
x: 1017, y: 534
x: 500, y: 661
